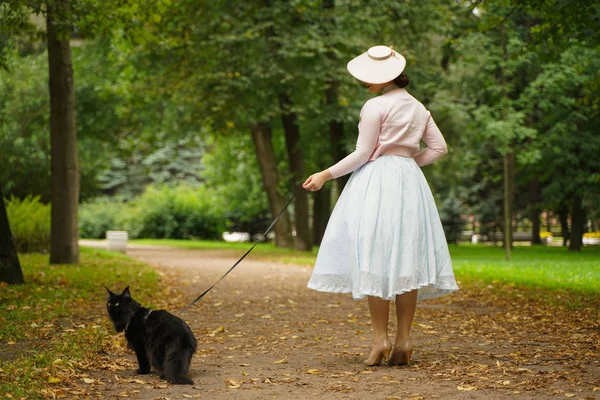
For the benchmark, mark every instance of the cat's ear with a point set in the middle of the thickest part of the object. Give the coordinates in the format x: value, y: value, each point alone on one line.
x: 109, y: 292
x: 126, y: 292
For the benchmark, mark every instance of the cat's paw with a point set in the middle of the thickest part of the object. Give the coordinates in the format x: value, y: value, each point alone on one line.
x: 143, y: 371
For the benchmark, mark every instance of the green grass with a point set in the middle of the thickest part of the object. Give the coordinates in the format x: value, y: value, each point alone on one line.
x: 57, y: 318
x: 537, y: 267
x: 551, y: 268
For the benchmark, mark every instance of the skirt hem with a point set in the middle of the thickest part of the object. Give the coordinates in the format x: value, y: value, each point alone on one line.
x: 439, y: 291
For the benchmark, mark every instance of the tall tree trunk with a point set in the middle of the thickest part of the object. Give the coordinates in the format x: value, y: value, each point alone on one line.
x: 577, y: 219
x: 321, y: 213
x: 508, y: 157
x: 336, y: 127
x: 508, y: 203
x: 10, y: 268
x: 535, y: 212
x: 261, y: 134
x: 296, y: 164
x: 563, y: 216
x: 64, y: 230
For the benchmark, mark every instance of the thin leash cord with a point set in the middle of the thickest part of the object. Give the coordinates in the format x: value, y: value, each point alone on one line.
x: 240, y: 260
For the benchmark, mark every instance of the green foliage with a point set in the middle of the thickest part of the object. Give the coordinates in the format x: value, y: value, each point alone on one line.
x: 179, y: 212
x: 231, y: 169
x: 24, y: 127
x: 100, y: 215
x: 452, y: 221
x: 29, y: 221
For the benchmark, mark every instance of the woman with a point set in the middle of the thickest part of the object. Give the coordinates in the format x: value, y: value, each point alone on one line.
x: 384, y: 239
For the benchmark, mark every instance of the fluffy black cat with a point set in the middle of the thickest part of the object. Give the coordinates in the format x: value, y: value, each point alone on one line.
x: 159, y: 338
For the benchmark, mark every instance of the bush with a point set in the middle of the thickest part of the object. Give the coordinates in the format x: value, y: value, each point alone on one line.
x: 180, y: 212
x: 100, y: 215
x: 29, y: 221
x: 161, y: 212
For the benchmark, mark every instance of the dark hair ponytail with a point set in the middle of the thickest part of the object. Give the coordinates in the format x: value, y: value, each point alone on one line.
x: 401, y: 80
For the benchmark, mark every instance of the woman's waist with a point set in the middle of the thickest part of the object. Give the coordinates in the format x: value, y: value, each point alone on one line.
x: 393, y: 150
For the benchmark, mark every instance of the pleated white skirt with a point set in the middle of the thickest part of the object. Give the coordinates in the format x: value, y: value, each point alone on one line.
x: 385, y: 236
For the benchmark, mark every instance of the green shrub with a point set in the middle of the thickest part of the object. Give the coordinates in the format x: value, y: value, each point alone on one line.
x: 180, y: 212
x: 29, y: 221
x: 161, y: 212
x: 100, y: 215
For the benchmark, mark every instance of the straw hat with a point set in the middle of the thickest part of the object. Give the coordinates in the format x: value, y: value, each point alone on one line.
x: 380, y: 64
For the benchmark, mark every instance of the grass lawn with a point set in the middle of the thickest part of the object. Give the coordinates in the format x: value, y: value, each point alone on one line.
x: 46, y: 325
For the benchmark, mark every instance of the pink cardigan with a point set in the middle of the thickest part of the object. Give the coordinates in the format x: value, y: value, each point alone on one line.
x: 393, y: 123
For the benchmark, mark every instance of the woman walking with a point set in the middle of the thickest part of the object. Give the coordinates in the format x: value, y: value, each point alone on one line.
x: 384, y: 240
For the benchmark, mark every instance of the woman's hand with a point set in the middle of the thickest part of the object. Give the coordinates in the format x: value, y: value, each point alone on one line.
x: 316, y: 181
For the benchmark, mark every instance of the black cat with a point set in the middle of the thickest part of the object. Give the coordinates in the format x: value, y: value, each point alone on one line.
x: 159, y: 338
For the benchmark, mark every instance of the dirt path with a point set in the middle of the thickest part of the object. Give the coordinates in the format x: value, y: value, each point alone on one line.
x: 262, y: 334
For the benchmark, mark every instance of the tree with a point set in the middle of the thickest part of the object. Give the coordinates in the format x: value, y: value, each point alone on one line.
x: 564, y: 98
x: 10, y: 268
x: 64, y: 232
x: 63, y: 17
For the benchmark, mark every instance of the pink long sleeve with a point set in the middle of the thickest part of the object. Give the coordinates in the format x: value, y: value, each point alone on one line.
x: 436, y: 145
x: 368, y: 133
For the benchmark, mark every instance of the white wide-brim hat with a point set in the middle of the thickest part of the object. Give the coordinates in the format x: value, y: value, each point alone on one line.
x: 380, y: 64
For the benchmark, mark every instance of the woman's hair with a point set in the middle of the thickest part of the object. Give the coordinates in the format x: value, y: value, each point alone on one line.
x: 401, y: 80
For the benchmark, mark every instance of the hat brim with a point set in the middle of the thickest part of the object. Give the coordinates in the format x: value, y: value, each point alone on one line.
x: 368, y: 70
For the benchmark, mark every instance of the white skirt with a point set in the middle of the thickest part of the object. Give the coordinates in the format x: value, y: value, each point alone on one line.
x: 385, y: 236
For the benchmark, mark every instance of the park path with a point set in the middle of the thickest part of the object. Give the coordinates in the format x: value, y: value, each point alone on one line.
x: 262, y: 334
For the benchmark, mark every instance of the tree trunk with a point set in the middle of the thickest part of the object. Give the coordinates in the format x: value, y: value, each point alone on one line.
x: 563, y: 216
x: 10, y: 268
x: 321, y: 213
x: 296, y: 164
x: 261, y: 134
x: 508, y: 190
x: 577, y: 218
x: 509, y: 156
x: 64, y: 230
x: 336, y: 127
x: 535, y: 212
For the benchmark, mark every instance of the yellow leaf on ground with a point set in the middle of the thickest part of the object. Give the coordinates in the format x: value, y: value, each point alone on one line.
x: 313, y: 371
x: 570, y: 395
x: 231, y: 384
x: 58, y: 361
x: 466, y: 388
x: 282, y: 361
x: 52, y: 379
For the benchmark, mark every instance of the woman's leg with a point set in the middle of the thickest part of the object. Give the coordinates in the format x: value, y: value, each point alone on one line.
x: 406, y: 304
x: 380, y: 312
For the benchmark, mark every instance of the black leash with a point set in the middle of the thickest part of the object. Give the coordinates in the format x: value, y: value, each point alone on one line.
x: 244, y: 256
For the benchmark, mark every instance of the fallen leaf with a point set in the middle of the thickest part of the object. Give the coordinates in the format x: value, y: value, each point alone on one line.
x: 52, y: 379
x: 312, y: 371
x: 282, y: 361
x: 231, y: 384
x: 570, y: 395
x: 466, y: 388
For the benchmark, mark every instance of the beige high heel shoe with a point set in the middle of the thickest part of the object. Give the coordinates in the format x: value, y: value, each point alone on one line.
x: 378, y: 355
x: 401, y: 353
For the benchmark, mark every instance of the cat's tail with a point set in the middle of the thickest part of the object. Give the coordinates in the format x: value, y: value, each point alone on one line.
x: 177, y: 365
